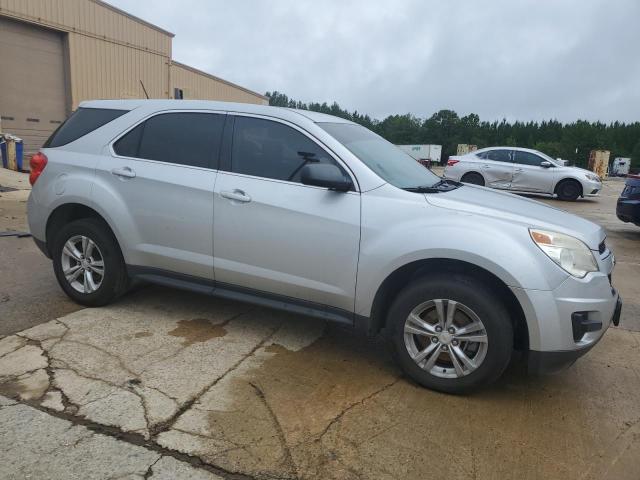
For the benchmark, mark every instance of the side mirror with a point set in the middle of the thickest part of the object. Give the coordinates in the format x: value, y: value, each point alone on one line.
x: 325, y: 175
x: 545, y: 164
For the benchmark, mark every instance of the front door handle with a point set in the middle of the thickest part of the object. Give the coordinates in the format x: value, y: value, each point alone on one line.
x: 124, y: 172
x: 486, y: 166
x: 519, y: 170
x: 236, y: 195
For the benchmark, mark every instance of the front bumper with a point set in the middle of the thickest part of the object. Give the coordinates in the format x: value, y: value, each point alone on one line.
x: 591, y: 188
x: 555, y: 340
x: 540, y: 363
x: 628, y: 210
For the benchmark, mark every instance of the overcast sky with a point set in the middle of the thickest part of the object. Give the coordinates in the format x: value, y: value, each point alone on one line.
x: 526, y: 60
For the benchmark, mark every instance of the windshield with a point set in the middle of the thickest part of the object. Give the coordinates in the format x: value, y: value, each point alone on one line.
x: 384, y: 158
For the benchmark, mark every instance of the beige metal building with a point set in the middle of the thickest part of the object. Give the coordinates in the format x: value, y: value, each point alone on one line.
x: 56, y: 53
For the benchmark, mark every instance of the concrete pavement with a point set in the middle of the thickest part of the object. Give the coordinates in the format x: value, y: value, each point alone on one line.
x: 29, y: 293
x: 168, y: 384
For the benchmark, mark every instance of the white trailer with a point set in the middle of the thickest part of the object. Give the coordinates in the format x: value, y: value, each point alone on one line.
x: 423, y: 153
x: 620, y: 166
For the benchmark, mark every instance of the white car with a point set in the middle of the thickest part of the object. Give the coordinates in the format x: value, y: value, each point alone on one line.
x: 522, y: 170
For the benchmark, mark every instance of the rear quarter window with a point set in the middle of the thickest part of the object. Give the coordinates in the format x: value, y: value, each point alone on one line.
x: 80, y: 123
x: 184, y: 138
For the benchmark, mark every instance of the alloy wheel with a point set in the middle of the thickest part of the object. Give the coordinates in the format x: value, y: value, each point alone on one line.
x: 445, y: 338
x: 82, y: 264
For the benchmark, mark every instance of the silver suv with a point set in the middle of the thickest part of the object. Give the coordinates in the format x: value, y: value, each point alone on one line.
x: 523, y: 170
x: 319, y: 216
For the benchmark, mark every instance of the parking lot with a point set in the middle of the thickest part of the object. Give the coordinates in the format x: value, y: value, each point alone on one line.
x: 169, y: 384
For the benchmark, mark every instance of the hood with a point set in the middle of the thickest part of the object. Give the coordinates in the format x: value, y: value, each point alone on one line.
x: 515, y: 209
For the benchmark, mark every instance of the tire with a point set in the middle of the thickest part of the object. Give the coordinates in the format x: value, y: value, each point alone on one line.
x: 105, y: 252
x: 474, y: 301
x: 473, y: 178
x: 569, y: 190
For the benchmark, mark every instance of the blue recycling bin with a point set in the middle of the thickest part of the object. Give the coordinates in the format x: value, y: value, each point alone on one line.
x: 19, y: 153
x: 3, y: 153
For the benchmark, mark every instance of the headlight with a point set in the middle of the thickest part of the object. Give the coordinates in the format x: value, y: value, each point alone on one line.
x: 571, y: 254
x: 592, y: 177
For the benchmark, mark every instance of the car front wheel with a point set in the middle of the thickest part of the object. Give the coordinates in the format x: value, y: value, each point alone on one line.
x: 569, y: 190
x: 450, y: 333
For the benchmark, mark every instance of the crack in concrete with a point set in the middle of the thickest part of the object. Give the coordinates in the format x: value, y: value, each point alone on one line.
x: 118, y: 387
x: 167, y: 425
x: 139, y: 440
x: 123, y: 386
x: 350, y: 407
x: 288, y: 458
x: 149, y: 471
x: 614, y: 451
x: 118, y: 360
x: 182, y: 347
x: 16, y: 348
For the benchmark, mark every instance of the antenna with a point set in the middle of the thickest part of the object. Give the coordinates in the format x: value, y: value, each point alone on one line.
x: 144, y: 90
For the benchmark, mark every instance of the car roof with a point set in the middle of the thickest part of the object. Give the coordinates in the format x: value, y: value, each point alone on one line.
x: 520, y: 149
x: 279, y: 112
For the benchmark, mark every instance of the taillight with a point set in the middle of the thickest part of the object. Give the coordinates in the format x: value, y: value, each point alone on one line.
x: 451, y: 163
x: 37, y: 163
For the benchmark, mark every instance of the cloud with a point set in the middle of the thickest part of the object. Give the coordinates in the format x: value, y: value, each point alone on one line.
x: 526, y: 60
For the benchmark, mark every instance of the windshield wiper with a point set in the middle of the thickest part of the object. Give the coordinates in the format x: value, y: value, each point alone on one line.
x: 423, y: 189
x: 440, y: 186
x: 446, y: 185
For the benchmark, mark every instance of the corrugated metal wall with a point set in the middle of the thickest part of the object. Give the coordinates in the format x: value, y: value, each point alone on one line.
x: 91, y: 18
x: 200, y: 85
x: 110, y: 52
x: 106, y: 70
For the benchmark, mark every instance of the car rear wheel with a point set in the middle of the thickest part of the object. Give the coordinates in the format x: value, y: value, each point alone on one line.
x: 569, y: 190
x: 450, y: 333
x: 473, y: 178
x: 88, y: 263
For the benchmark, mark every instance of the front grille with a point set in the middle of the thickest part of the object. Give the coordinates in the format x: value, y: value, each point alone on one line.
x: 602, y: 247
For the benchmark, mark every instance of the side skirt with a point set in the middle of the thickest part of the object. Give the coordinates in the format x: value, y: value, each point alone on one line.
x: 242, y: 294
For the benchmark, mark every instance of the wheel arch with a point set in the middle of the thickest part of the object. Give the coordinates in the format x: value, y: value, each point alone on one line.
x: 405, y: 274
x: 69, y: 212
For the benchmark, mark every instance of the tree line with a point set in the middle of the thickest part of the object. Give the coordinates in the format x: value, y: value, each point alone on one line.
x: 570, y: 141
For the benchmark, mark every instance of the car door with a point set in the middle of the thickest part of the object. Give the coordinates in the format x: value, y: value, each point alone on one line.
x: 529, y: 175
x: 274, y: 235
x: 497, y: 168
x: 163, y: 171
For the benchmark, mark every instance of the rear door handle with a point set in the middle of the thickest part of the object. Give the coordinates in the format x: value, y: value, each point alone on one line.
x: 124, y: 172
x: 519, y: 170
x: 236, y: 195
x: 486, y: 166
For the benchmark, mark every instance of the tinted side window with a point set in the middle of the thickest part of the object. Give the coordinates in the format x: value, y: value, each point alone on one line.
x: 526, y: 158
x: 191, y: 139
x: 81, y: 122
x: 272, y: 150
x: 499, y: 155
x: 129, y: 145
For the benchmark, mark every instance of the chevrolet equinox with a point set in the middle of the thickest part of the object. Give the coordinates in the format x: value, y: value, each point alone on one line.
x: 319, y: 216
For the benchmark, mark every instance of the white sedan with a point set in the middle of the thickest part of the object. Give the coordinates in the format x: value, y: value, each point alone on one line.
x: 522, y: 170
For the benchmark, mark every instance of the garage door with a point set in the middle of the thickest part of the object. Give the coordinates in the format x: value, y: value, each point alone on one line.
x: 32, y: 82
